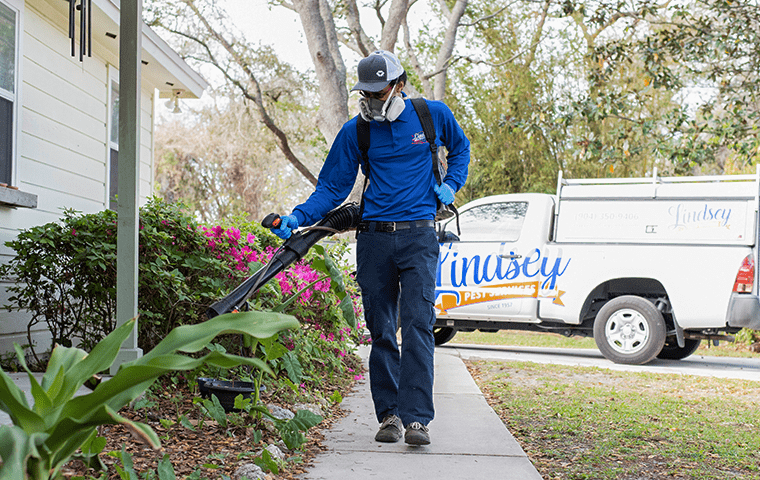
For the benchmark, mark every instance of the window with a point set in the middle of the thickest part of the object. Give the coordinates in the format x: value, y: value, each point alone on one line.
x: 9, y: 27
x: 113, y: 139
x: 492, y: 222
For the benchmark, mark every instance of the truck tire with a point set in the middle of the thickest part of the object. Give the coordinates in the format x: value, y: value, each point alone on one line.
x: 443, y: 334
x: 671, y: 350
x: 629, y: 330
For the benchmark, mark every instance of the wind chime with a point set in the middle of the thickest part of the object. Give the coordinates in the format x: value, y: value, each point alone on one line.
x: 85, y: 27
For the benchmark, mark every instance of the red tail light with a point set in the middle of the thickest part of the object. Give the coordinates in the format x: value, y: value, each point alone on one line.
x: 745, y: 278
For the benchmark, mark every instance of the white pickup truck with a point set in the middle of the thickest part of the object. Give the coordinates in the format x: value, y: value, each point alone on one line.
x: 647, y: 266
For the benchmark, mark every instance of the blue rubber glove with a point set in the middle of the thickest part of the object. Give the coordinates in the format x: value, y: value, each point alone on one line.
x: 288, y: 223
x: 445, y: 193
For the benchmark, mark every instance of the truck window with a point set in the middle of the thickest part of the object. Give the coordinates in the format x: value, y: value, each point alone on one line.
x: 492, y: 222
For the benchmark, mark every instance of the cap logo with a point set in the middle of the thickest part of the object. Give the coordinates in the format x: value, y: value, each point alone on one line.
x: 380, y: 73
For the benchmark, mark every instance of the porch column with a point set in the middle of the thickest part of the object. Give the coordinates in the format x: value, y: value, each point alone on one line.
x: 130, y: 48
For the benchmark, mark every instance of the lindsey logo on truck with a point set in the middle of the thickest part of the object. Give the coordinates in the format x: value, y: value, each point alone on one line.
x: 481, y: 271
x: 684, y: 217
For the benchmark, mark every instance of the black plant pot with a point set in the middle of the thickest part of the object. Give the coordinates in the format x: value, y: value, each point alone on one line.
x: 226, y: 391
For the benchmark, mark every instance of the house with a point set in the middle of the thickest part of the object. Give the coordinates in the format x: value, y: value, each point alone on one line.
x: 59, y: 116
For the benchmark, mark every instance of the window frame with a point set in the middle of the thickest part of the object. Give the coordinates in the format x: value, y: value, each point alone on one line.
x: 451, y: 226
x: 113, y: 77
x: 15, y: 97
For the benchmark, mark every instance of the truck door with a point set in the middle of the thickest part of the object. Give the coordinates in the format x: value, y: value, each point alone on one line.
x: 488, y: 271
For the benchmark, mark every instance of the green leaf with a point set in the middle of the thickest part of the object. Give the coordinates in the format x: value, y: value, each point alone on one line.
x: 215, y: 409
x: 16, y: 447
x: 13, y: 402
x: 129, y: 467
x: 242, y: 403
x: 292, y: 437
x: 304, y: 420
x: 267, y: 463
x: 186, y: 423
x: 166, y: 469
x: 193, y: 338
x: 90, y: 451
x: 293, y: 367
x: 347, y: 309
x: 336, y: 276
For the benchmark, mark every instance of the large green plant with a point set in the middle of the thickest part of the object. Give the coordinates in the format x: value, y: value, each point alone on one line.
x: 44, y: 437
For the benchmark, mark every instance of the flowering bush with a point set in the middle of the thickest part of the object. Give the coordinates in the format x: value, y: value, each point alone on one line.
x: 65, y: 274
x: 308, y: 290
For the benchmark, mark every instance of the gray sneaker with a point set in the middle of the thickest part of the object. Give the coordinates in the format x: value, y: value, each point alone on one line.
x: 417, y: 434
x: 390, y: 430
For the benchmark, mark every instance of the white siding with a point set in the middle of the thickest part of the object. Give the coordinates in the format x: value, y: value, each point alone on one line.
x: 62, y: 147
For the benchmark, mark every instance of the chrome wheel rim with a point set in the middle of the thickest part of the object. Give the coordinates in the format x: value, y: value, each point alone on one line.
x: 627, y: 331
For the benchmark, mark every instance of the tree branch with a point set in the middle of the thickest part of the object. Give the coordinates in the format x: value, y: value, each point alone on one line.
x: 396, y: 17
x: 364, y: 44
x: 487, y: 17
x: 281, y: 137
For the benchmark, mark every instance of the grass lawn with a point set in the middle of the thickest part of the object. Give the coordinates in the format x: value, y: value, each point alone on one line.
x: 553, y: 340
x: 591, y: 423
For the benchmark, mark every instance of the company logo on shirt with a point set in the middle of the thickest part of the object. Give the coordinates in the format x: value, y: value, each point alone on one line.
x: 418, y: 138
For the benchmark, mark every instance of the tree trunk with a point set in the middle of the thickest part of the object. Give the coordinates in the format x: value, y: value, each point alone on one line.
x: 322, y: 40
x: 447, y: 48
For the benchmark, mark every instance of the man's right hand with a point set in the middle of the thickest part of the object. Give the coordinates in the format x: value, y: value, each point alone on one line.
x: 288, y: 223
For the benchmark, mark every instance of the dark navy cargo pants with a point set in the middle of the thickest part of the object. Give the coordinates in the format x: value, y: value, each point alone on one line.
x: 396, y: 272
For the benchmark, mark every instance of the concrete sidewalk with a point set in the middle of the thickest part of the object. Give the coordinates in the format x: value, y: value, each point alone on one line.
x: 468, y: 439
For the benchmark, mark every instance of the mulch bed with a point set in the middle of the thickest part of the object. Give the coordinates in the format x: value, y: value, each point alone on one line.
x: 210, y: 451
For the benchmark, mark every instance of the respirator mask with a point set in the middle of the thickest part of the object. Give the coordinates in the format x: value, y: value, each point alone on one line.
x: 379, y: 111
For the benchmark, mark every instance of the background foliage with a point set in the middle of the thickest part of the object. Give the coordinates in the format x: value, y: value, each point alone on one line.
x: 596, y: 88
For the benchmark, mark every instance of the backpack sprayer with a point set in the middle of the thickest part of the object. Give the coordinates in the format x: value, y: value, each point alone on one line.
x: 341, y: 219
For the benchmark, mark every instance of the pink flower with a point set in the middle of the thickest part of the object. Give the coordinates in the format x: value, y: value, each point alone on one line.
x: 74, y: 231
x: 234, y: 235
x: 358, y: 377
x: 251, y: 238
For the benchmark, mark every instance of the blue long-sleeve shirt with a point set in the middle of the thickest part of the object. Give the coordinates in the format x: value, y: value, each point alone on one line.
x: 401, y: 171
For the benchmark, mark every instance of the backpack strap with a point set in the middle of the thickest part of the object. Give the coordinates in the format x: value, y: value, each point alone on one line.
x: 362, y: 137
x: 423, y: 112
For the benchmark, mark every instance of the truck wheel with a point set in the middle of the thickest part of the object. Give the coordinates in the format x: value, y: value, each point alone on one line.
x: 671, y: 350
x: 443, y: 334
x: 630, y: 330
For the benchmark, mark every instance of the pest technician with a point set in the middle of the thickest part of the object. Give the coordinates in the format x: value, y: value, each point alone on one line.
x: 397, y: 246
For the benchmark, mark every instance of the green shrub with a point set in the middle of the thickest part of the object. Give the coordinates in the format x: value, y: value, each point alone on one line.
x: 65, y: 275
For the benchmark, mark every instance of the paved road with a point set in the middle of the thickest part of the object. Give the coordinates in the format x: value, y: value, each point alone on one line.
x: 722, y: 367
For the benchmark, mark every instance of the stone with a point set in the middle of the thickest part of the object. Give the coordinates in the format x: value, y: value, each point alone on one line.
x: 275, y: 452
x: 250, y: 471
x: 312, y: 407
x: 280, y: 413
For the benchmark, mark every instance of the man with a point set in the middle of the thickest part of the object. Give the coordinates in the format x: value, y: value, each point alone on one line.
x: 397, y: 247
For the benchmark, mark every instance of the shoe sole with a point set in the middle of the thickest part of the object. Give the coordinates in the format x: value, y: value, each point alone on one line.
x: 417, y: 441
x: 387, y: 439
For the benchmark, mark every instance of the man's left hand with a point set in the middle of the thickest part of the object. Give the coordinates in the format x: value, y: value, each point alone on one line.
x: 445, y: 193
